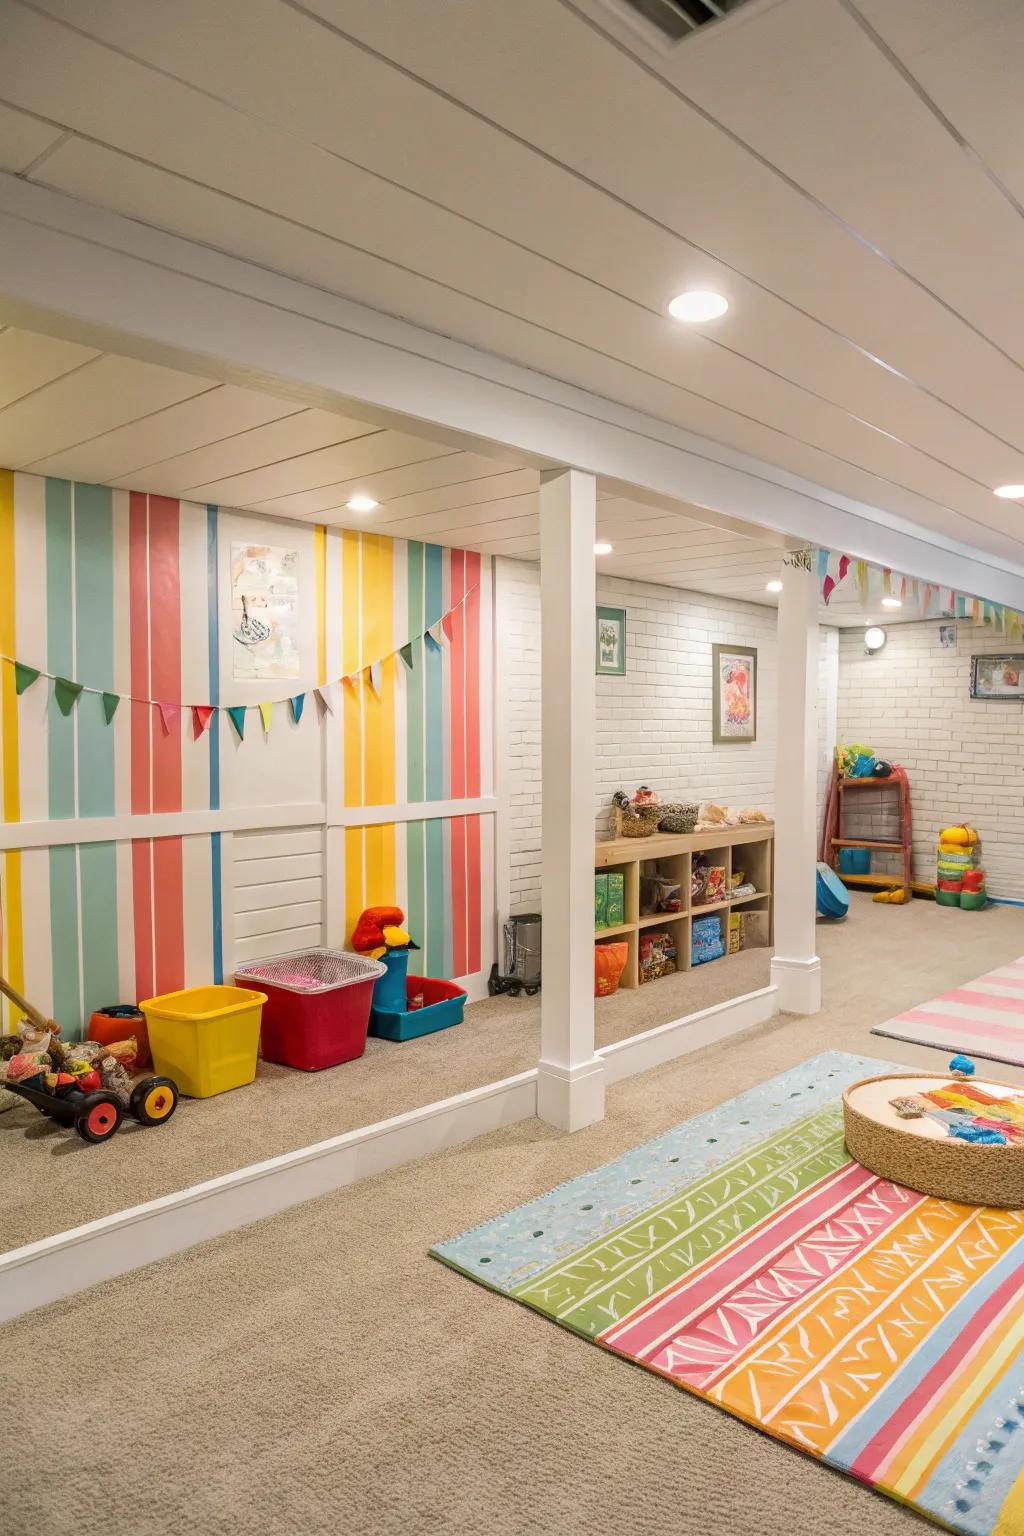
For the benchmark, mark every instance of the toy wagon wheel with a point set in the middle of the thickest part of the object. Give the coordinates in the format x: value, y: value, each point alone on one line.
x: 154, y: 1100
x: 99, y: 1116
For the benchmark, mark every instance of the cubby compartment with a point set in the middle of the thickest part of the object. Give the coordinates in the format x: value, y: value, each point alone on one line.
x: 661, y: 881
x: 709, y: 936
x: 753, y: 861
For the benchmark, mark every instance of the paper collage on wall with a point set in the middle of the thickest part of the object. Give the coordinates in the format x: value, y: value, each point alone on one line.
x: 265, y: 611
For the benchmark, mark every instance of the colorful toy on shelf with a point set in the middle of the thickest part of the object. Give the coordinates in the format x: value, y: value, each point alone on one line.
x: 959, y: 882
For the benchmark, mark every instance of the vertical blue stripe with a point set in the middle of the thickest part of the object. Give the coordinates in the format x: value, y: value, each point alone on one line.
x: 435, y: 742
x: 213, y: 655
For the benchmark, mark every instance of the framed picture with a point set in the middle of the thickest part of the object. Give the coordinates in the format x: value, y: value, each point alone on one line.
x: 733, y: 693
x: 611, y: 641
x: 947, y: 636
x: 997, y: 677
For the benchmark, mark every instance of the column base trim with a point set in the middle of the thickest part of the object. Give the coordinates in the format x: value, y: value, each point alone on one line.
x: 571, y: 1097
x: 798, y: 983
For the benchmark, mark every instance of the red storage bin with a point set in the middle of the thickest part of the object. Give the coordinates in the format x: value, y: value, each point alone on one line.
x: 317, y: 1008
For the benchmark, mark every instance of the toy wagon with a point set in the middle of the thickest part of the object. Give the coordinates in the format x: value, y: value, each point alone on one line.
x: 96, y: 1116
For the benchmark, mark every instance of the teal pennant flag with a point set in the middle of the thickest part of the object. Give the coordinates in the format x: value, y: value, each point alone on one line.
x: 24, y: 677
x: 110, y: 703
x: 237, y: 716
x: 298, y: 704
x: 406, y: 654
x: 66, y: 693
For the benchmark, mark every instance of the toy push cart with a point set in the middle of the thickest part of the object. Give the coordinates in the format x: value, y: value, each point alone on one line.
x: 96, y: 1116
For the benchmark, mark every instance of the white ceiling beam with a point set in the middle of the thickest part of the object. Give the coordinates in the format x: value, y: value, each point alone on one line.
x: 74, y: 270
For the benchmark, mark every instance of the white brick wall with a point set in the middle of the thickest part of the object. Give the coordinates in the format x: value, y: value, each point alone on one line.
x: 654, y: 724
x: 911, y: 703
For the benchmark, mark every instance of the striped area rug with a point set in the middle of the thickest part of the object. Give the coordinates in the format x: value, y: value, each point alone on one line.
x: 984, y: 1018
x: 746, y: 1258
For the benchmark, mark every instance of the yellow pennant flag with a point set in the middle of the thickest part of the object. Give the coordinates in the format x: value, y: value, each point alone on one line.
x: 265, y: 712
x: 862, y: 580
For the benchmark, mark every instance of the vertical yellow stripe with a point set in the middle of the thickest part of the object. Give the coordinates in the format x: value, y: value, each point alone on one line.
x: 378, y: 642
x: 320, y: 559
x: 351, y: 660
x: 14, y: 958
x: 354, y: 888
x: 1011, y: 1516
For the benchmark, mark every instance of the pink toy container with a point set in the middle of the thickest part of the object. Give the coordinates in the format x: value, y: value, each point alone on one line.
x: 317, y: 1008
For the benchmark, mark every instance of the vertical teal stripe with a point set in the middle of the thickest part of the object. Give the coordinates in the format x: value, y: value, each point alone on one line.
x: 67, y: 1006
x: 416, y: 871
x: 97, y: 864
x: 439, y: 917
x: 59, y: 651
x: 94, y: 645
x: 435, y: 734
x: 414, y: 680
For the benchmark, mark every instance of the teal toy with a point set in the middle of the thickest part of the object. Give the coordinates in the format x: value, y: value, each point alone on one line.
x: 962, y: 1066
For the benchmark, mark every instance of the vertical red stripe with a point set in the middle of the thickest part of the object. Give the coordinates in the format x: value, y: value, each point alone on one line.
x: 472, y: 652
x: 165, y: 644
x: 168, y: 914
x: 141, y: 795
x: 457, y: 664
x: 165, y: 631
x: 473, y: 894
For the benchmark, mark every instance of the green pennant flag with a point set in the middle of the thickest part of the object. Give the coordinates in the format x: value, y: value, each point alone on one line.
x: 24, y: 677
x: 237, y: 717
x: 65, y: 692
x: 110, y: 703
x: 406, y: 654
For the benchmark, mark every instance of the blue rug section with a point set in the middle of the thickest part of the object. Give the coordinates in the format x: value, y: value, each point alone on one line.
x: 523, y: 1242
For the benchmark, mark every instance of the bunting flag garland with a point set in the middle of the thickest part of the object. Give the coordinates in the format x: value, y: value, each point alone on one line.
x: 881, y: 581
x: 24, y: 677
x: 66, y: 692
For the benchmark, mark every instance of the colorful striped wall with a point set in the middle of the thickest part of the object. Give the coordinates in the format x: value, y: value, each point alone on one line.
x: 124, y: 591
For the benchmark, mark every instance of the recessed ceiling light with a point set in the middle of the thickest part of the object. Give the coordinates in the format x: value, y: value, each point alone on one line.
x: 891, y: 602
x: 773, y: 586
x: 362, y: 503
x: 698, y: 304
x: 602, y: 549
x: 1010, y: 492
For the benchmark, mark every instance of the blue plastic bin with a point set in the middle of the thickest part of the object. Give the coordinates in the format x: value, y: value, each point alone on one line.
x: 443, y: 1005
x: 855, y: 861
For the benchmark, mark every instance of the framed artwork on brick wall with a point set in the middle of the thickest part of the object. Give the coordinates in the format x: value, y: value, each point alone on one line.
x: 733, y: 693
x: 997, y: 677
x: 611, y: 641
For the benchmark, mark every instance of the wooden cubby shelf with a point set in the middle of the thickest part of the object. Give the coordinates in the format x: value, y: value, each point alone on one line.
x: 747, y: 849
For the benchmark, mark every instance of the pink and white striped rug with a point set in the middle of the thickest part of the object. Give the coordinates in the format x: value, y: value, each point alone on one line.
x: 984, y: 1018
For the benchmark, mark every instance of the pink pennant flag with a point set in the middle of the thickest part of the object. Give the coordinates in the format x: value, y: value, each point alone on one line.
x: 169, y: 714
x: 202, y: 714
x: 447, y: 624
x: 903, y: 587
x: 827, y: 588
x: 844, y: 566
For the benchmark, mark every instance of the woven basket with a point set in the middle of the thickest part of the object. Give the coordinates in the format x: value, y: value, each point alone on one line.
x: 680, y: 817
x: 638, y: 821
x: 943, y: 1167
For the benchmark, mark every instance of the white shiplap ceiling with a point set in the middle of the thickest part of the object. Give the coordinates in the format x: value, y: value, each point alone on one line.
x: 538, y: 180
x: 70, y: 411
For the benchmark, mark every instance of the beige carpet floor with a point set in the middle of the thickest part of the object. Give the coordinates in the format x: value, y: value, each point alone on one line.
x: 53, y: 1180
x: 318, y: 1375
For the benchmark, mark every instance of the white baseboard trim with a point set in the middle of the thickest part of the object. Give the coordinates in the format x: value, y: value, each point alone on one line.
x: 71, y: 1261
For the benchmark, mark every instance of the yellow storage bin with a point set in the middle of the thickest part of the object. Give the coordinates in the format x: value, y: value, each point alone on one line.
x: 206, y: 1038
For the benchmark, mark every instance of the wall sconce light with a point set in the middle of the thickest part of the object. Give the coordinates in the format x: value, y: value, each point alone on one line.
x: 874, y: 638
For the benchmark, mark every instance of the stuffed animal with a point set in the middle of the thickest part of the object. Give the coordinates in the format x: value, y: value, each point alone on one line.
x: 379, y: 930
x: 115, y: 1079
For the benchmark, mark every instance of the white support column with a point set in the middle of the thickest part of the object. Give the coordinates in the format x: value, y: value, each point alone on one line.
x: 796, y: 969
x: 570, y: 1088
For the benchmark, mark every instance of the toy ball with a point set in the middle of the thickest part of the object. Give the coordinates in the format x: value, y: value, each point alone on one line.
x: 962, y: 1066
